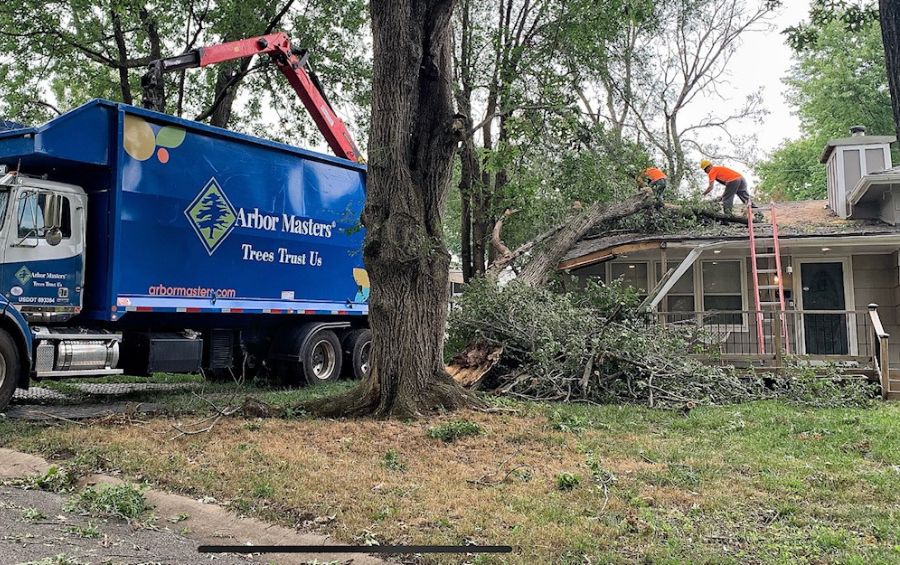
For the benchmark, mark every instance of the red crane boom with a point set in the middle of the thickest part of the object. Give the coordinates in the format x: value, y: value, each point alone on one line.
x: 291, y: 62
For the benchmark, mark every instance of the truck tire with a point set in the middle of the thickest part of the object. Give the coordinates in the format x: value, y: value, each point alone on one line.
x: 322, y: 358
x: 9, y: 369
x: 357, y: 345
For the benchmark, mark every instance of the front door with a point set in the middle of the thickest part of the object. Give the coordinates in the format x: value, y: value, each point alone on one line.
x: 823, y: 290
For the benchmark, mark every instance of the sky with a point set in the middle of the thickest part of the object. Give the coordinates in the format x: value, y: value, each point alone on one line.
x: 762, y: 60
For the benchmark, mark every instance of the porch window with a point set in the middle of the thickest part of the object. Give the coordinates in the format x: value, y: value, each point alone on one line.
x: 723, y: 291
x: 634, y: 274
x: 681, y: 297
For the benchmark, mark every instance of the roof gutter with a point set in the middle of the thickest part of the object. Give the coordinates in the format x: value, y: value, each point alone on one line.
x: 867, y: 182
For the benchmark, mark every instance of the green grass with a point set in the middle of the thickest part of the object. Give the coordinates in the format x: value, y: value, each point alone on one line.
x: 452, y: 431
x: 764, y: 482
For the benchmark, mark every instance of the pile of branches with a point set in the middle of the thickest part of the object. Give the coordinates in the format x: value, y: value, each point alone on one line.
x: 592, y: 345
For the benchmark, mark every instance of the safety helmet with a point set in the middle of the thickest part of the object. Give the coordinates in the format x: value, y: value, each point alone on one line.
x: 705, y: 163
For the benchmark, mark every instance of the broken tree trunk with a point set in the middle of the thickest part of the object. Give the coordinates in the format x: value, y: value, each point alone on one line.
x: 559, y: 239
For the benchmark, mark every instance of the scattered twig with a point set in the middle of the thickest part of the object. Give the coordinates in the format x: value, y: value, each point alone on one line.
x: 55, y: 417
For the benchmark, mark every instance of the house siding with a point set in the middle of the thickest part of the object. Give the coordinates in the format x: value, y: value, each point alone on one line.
x: 875, y: 281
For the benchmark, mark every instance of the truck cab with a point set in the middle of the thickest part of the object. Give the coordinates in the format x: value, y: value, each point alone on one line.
x: 42, y: 235
x: 42, y: 247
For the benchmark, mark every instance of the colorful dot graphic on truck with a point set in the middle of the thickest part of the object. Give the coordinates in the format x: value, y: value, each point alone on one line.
x: 211, y: 215
x: 141, y: 142
x: 361, y: 276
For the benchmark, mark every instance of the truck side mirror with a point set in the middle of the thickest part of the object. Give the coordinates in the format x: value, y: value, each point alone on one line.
x: 53, y: 211
x: 53, y: 219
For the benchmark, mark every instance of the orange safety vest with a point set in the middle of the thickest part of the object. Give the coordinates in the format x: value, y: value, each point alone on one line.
x: 654, y: 174
x: 723, y: 174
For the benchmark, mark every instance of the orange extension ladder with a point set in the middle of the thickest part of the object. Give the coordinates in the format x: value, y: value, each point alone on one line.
x: 772, y: 289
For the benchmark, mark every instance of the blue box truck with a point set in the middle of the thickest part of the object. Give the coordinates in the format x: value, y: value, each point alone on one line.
x: 133, y: 241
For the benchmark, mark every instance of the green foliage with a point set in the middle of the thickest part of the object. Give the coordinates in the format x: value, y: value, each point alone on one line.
x: 59, y: 54
x: 452, y: 431
x: 793, y: 171
x: 567, y: 481
x: 601, y: 476
x: 56, y: 479
x: 589, y: 345
x: 125, y: 501
x: 32, y: 515
x: 806, y: 386
x: 851, y: 16
x: 87, y: 532
x: 392, y: 461
x: 594, y: 345
x: 838, y: 80
x: 667, y: 220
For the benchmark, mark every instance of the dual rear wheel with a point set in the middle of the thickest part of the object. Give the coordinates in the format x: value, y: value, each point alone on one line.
x: 326, y: 358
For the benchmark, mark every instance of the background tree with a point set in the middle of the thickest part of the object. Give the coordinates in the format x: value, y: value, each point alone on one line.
x: 668, y: 56
x: 60, y: 53
x: 412, y: 141
x: 517, y: 65
x: 890, y: 32
x: 838, y: 80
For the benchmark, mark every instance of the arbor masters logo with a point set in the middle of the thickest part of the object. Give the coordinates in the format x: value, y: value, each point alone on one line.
x: 212, y: 216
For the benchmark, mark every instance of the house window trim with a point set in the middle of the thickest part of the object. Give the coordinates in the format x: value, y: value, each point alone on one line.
x: 700, y: 298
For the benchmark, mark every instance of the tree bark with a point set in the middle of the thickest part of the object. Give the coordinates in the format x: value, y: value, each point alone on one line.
x: 889, y: 14
x: 411, y: 144
x: 541, y: 266
x: 121, y: 59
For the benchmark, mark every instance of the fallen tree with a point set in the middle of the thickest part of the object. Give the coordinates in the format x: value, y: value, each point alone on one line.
x: 594, y: 346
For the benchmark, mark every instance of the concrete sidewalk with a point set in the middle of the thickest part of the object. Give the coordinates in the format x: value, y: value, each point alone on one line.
x: 173, y: 541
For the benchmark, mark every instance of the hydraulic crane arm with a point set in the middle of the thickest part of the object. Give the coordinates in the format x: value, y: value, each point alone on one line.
x: 290, y: 61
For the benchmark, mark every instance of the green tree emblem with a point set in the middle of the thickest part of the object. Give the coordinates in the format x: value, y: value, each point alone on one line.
x: 212, y: 216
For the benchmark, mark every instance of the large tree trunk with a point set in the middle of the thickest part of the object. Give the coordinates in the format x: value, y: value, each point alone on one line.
x: 411, y: 145
x: 889, y: 13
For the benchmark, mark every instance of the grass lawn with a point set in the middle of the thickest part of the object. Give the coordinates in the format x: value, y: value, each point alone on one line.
x: 761, y: 482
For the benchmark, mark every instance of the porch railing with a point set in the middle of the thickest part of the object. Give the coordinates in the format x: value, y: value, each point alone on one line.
x: 830, y: 334
x: 881, y: 357
x: 853, y: 337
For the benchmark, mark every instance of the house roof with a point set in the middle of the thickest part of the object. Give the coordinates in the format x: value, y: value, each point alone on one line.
x: 807, y: 218
x: 855, y: 140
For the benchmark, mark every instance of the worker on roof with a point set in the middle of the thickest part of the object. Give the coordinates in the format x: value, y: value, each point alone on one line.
x: 655, y: 179
x: 735, y: 184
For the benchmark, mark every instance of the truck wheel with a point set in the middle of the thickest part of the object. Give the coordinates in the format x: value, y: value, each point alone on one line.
x: 322, y: 359
x: 9, y: 369
x: 357, y: 345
